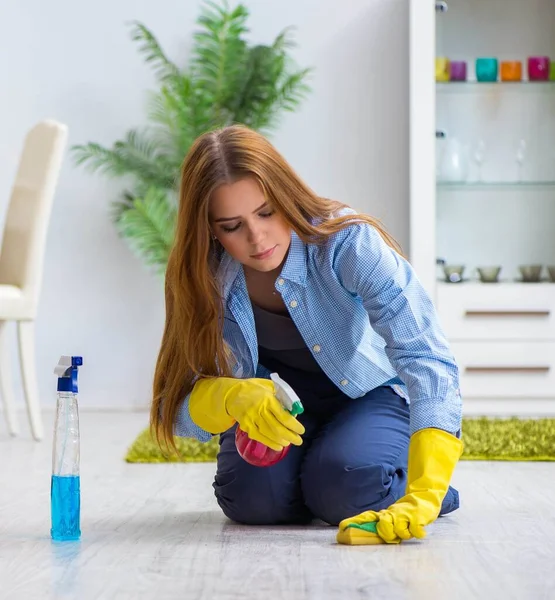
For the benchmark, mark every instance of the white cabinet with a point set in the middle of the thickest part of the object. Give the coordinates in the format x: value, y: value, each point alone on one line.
x: 483, y: 194
x: 479, y: 311
x: 506, y: 369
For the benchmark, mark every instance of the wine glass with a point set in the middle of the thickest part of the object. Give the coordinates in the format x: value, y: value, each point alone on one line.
x: 479, y: 155
x: 520, y: 156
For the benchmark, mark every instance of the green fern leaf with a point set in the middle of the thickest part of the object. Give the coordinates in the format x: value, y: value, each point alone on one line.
x: 148, y: 227
x: 149, y: 46
x: 136, y: 155
x: 219, y: 55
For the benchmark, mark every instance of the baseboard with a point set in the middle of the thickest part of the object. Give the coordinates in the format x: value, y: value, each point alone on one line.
x: 472, y: 407
x: 20, y: 410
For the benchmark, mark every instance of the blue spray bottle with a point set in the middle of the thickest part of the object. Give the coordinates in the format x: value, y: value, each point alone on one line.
x: 65, y: 493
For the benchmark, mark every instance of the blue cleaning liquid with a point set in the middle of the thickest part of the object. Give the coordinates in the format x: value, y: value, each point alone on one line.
x: 66, y: 507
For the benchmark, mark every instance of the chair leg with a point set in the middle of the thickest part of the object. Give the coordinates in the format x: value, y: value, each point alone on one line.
x: 6, y: 385
x: 26, y: 334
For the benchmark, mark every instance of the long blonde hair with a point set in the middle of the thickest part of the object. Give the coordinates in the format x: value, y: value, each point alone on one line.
x: 192, y: 343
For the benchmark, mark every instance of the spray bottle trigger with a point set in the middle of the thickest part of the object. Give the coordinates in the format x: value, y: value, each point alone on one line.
x: 287, y: 395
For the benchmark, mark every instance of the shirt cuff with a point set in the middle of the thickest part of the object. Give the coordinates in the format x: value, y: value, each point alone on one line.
x: 185, y: 426
x: 439, y: 413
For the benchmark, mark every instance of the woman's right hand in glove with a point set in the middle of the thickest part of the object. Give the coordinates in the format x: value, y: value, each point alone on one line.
x: 217, y: 403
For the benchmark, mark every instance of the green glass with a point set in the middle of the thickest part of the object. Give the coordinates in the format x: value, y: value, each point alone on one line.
x: 486, y: 69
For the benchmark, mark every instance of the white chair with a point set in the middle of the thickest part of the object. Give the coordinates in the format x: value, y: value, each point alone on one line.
x: 21, y: 261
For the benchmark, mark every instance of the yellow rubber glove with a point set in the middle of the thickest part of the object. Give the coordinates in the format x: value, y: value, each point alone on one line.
x: 217, y: 403
x: 433, y: 455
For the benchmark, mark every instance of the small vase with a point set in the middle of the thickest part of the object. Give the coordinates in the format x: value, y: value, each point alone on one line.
x: 486, y: 69
x: 442, y: 68
x: 511, y: 70
x: 538, y: 68
x: 458, y: 70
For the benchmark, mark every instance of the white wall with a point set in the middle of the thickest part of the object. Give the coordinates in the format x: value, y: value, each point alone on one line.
x: 74, y: 62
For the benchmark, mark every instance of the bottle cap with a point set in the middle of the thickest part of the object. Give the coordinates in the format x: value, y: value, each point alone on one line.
x: 66, y: 370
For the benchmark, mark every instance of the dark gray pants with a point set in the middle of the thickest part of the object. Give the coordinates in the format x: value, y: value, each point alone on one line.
x: 354, y: 458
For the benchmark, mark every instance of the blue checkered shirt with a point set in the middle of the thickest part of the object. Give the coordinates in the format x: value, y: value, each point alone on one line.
x: 366, y: 318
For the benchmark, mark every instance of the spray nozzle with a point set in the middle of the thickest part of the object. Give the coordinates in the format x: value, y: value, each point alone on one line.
x: 66, y: 370
x: 287, y: 396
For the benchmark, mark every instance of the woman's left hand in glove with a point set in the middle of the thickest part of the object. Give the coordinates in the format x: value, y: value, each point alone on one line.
x: 433, y: 455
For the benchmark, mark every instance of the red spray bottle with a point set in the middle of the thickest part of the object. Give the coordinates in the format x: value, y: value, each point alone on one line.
x: 256, y: 453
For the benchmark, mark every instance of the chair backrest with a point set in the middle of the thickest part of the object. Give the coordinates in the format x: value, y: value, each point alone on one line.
x: 28, y: 215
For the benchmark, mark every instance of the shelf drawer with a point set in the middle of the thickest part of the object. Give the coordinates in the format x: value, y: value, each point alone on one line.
x: 497, y: 311
x: 506, y: 370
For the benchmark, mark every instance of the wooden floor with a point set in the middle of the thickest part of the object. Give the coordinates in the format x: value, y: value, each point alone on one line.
x: 155, y: 531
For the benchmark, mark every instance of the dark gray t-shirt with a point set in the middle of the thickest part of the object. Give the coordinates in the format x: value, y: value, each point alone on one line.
x: 279, y: 337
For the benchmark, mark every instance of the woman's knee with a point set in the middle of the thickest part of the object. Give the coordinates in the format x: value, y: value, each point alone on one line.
x: 239, y: 503
x: 256, y: 504
x: 335, y: 491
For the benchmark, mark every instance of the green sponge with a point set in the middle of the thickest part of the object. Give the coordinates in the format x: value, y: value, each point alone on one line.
x: 371, y: 527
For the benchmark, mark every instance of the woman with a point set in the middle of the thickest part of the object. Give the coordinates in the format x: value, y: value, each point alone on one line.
x: 265, y: 276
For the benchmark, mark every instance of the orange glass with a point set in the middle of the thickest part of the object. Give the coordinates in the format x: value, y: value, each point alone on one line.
x: 511, y: 70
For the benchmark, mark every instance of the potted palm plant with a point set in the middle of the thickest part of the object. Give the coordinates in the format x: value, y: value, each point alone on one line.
x: 226, y: 81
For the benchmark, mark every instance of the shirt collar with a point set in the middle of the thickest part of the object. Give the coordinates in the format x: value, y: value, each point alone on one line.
x: 295, y: 267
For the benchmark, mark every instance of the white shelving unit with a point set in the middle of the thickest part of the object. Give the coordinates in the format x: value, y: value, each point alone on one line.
x: 502, y: 213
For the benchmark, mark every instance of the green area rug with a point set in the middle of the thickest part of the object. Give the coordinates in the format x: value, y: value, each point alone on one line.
x: 484, y: 439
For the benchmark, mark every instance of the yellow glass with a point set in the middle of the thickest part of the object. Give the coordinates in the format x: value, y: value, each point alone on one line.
x: 442, y: 68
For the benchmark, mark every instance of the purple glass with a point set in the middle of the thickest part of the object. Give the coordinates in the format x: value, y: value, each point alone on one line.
x: 458, y: 70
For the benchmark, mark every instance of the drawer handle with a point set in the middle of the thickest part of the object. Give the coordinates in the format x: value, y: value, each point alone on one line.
x: 507, y: 313
x: 538, y: 369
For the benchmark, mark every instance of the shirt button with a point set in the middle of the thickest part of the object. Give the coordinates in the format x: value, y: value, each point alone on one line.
x: 316, y: 348
x: 293, y: 303
x: 281, y: 281
x: 344, y: 382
